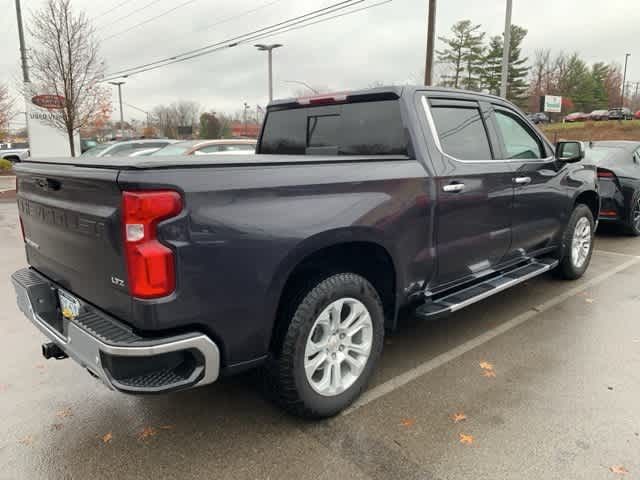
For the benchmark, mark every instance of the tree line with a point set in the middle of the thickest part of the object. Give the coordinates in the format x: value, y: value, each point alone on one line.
x: 473, y: 62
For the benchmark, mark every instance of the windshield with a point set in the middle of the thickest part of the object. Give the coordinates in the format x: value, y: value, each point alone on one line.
x: 174, y: 149
x: 95, y: 151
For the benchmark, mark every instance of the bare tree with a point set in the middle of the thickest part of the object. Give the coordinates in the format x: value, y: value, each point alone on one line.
x: 6, y: 107
x: 65, y: 61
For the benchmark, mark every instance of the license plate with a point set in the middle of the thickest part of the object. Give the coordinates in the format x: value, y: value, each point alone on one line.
x: 69, y: 306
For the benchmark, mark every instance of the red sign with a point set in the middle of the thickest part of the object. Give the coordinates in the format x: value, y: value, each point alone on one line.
x: 50, y: 102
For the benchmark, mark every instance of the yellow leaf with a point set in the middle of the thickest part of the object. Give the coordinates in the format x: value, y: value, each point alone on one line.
x: 589, y: 300
x: 106, y: 438
x: 466, y: 439
x: 458, y: 417
x: 619, y: 469
x: 167, y: 427
x: 486, y: 366
x: 407, y: 422
x: 147, y: 432
x: 28, y: 440
x: 489, y: 374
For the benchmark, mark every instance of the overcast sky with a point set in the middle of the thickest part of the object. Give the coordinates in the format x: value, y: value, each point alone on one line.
x: 383, y: 44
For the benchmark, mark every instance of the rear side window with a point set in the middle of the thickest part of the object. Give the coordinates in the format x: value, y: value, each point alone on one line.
x: 368, y: 128
x: 462, y: 132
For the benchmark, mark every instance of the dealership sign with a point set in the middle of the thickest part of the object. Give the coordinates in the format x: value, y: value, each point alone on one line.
x: 46, y: 139
x: 50, y: 102
x: 552, y: 104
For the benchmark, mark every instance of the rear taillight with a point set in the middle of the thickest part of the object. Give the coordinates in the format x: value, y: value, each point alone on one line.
x: 602, y: 173
x: 150, y: 264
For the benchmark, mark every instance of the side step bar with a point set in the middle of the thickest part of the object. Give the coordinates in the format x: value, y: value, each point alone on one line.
x: 463, y: 298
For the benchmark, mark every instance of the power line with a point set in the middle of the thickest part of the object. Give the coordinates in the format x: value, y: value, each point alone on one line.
x: 232, y: 42
x: 149, y: 20
x: 255, y: 38
x: 239, y: 15
x: 151, y: 3
x: 108, y: 11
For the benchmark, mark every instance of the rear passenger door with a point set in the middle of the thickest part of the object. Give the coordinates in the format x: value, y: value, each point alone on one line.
x: 475, y: 188
x: 540, y: 201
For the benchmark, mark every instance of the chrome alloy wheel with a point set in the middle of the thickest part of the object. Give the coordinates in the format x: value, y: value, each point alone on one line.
x: 581, y: 243
x: 635, y: 216
x: 338, y: 346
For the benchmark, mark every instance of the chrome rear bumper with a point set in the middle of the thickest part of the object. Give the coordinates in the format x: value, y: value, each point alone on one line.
x: 111, y: 351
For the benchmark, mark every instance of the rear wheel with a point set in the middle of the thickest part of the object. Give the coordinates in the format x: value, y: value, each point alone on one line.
x: 330, y: 347
x: 577, y: 244
x: 633, y: 223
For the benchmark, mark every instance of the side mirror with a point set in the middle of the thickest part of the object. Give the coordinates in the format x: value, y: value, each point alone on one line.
x: 569, y: 152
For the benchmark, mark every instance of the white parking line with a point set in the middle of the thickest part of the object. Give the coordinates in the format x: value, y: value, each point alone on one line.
x: 607, y: 252
x: 416, y: 372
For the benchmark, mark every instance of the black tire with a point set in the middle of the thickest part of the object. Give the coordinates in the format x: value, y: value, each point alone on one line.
x: 287, y: 381
x: 567, y: 269
x: 632, y: 227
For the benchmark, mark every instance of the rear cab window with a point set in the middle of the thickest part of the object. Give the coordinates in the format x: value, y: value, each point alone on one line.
x: 358, y: 128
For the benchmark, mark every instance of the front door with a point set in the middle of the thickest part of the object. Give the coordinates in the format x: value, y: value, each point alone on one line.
x: 475, y: 191
x: 539, y: 207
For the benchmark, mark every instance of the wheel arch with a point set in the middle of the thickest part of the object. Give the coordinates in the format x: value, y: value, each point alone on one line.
x: 363, y: 251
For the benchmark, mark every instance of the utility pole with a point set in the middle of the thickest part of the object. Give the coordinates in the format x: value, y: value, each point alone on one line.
x: 269, y: 49
x: 431, y: 41
x: 23, y: 49
x: 624, y: 79
x: 119, y: 85
x: 244, y: 115
x: 505, y: 50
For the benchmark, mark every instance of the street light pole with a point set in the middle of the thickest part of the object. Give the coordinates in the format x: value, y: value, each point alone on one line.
x: 119, y: 85
x: 431, y: 41
x: 624, y: 79
x: 304, y: 84
x: 505, y: 50
x: 269, y: 49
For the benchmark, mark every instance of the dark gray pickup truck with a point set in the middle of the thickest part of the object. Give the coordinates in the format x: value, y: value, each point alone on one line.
x: 163, y: 273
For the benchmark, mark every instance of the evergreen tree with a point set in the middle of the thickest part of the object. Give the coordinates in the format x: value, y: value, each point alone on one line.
x: 463, y: 53
x: 518, y: 70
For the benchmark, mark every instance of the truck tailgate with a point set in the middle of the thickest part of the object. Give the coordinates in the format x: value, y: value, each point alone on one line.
x: 72, y: 229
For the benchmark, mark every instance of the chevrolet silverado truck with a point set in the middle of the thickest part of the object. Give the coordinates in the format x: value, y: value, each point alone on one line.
x: 157, y: 274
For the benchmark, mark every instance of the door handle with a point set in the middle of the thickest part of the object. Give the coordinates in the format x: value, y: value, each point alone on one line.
x: 522, y: 180
x: 453, y: 187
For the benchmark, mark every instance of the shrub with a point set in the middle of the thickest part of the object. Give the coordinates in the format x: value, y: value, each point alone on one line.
x: 5, y: 165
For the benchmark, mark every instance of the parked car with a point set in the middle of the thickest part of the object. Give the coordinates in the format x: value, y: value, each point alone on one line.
x: 637, y: 115
x: 618, y: 165
x: 620, y: 114
x: 576, y: 117
x: 87, y: 144
x: 125, y: 148
x: 14, y: 152
x: 357, y: 206
x: 209, y: 147
x: 598, y: 115
x: 539, y: 117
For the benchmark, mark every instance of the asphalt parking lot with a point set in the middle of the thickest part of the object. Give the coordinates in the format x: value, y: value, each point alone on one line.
x: 557, y: 398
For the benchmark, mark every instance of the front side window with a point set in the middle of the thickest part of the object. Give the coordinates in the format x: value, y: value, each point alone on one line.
x: 461, y: 132
x: 519, y: 143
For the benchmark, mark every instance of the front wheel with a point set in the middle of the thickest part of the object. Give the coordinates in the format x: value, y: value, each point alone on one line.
x: 330, y: 348
x: 577, y: 244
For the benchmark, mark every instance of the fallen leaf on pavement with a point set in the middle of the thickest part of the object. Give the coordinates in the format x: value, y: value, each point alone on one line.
x: 147, y: 432
x: 489, y: 373
x: 619, y: 469
x: 28, y: 440
x: 466, y: 439
x: 39, y: 365
x: 167, y: 427
x: 64, y: 413
x: 589, y: 300
x: 3, y: 387
x: 106, y: 438
x: 486, y: 366
x: 56, y: 426
x: 458, y: 417
x: 407, y: 422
